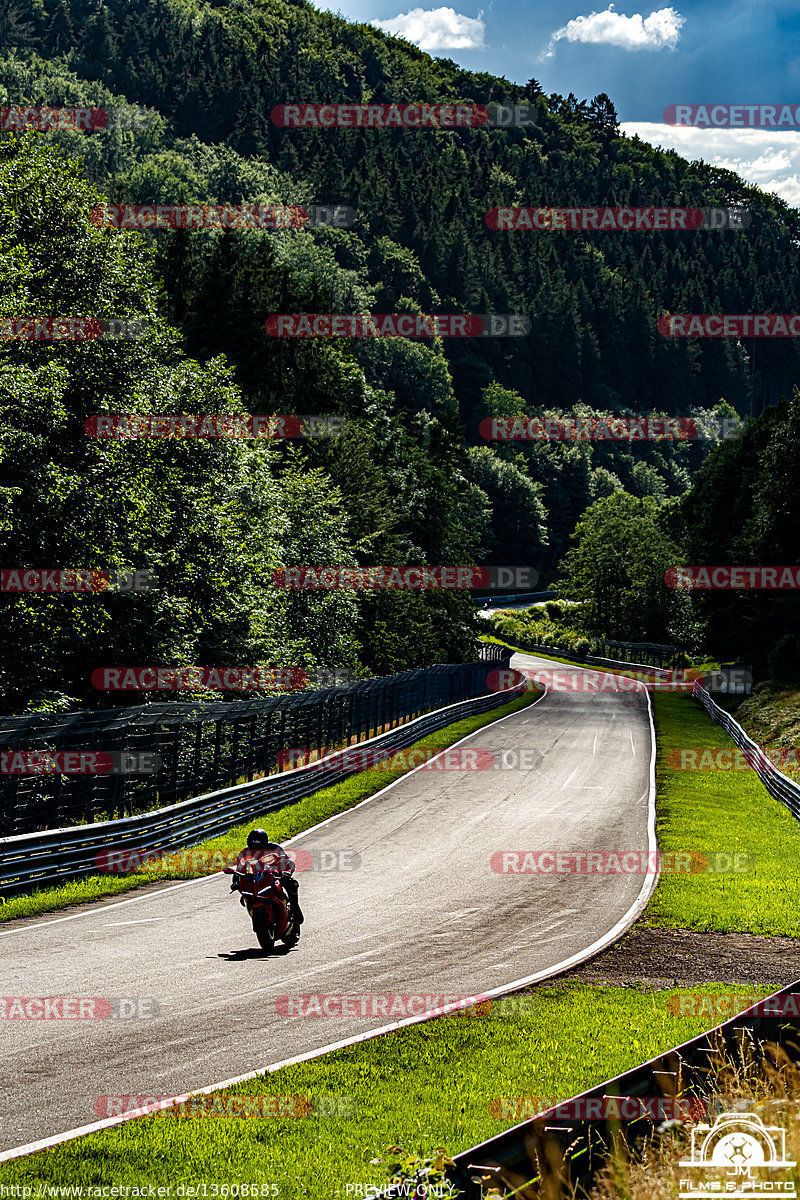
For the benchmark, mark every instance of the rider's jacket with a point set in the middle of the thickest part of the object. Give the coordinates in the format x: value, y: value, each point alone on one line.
x: 272, y: 855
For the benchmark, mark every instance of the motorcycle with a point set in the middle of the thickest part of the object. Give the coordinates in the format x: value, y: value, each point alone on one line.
x: 267, y: 901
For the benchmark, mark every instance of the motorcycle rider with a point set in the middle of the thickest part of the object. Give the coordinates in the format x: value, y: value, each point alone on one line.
x: 260, y: 849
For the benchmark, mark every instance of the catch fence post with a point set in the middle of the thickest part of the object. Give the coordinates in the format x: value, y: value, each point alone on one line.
x: 251, y: 747
x: 215, y: 764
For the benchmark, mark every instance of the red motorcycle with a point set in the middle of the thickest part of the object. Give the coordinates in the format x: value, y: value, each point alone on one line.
x: 266, y: 899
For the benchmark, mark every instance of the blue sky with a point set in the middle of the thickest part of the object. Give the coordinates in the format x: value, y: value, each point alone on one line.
x: 643, y: 55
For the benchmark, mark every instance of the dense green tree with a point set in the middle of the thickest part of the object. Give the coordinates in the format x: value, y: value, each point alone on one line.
x: 743, y: 510
x: 617, y: 566
x: 411, y: 480
x: 210, y: 519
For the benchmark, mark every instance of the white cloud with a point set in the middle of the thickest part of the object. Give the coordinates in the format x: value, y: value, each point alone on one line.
x: 610, y: 28
x: 770, y: 159
x: 437, y: 29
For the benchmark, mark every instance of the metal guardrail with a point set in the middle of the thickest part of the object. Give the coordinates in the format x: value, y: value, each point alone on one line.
x: 730, y: 679
x: 525, y: 1154
x: 512, y: 598
x: 655, y: 654
x: 202, y: 747
x: 59, y: 854
x: 531, y: 648
x: 640, y: 654
x: 776, y: 783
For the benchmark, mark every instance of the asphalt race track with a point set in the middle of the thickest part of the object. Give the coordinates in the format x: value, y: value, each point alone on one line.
x: 424, y: 914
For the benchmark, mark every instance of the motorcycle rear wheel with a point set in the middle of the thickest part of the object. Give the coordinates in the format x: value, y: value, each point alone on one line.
x: 263, y: 929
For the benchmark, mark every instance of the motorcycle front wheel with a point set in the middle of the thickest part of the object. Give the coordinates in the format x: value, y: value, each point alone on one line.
x: 262, y: 927
x: 292, y: 938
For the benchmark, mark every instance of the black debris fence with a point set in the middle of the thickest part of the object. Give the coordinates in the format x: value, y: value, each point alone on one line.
x: 620, y: 654
x: 154, y: 755
x: 52, y: 856
x: 513, y: 598
x: 653, y: 654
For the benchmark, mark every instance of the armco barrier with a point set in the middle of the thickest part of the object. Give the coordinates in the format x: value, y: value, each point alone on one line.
x: 60, y: 854
x: 522, y: 1156
x: 210, y: 745
x: 512, y: 598
x: 640, y: 654
x: 776, y: 783
x: 586, y: 659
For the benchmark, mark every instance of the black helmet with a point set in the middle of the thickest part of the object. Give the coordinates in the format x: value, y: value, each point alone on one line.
x: 257, y: 839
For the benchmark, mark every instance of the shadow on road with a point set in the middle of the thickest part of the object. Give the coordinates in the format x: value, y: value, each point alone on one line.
x: 256, y: 952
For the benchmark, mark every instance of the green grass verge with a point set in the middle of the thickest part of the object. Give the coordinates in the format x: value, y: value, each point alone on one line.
x: 281, y: 824
x: 421, y: 1087
x: 721, y: 813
